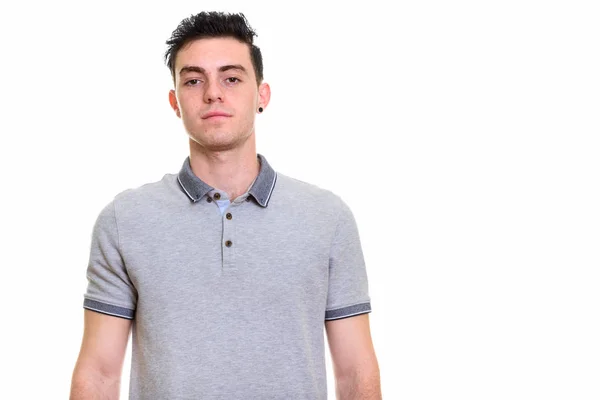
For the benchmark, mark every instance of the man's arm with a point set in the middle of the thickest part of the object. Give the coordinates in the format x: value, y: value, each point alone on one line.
x: 97, y: 373
x: 354, y: 362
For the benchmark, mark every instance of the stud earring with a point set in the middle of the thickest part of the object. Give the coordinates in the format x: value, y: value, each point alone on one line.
x: 260, y: 109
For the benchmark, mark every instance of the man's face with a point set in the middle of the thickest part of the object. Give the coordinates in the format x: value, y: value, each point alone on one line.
x: 216, y: 93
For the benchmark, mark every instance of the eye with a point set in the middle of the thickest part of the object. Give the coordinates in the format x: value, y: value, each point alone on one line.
x: 232, y: 79
x: 192, y: 82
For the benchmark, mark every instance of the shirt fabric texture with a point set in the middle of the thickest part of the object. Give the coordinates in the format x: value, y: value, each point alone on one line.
x: 227, y: 305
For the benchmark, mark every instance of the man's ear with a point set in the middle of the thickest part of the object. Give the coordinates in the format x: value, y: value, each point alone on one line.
x: 264, y: 95
x: 173, y: 102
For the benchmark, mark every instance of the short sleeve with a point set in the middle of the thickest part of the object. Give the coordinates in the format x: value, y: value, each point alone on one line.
x: 109, y: 290
x: 348, y: 291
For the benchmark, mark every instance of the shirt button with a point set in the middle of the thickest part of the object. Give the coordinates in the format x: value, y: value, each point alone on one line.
x: 217, y: 196
x: 209, y: 199
x: 229, y: 216
x: 228, y: 243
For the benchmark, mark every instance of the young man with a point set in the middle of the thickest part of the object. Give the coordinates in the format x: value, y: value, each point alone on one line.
x: 227, y: 272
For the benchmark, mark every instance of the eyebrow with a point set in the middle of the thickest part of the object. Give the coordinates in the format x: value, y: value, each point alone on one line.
x: 194, y: 68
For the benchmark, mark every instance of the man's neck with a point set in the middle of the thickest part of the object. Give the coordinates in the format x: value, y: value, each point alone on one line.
x: 231, y: 171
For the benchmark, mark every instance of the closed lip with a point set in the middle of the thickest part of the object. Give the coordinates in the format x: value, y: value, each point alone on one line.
x: 215, y: 114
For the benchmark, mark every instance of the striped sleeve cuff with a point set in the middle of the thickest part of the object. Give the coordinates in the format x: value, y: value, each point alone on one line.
x: 108, y: 309
x: 349, y: 311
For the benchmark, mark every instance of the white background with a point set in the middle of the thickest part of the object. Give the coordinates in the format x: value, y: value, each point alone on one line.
x: 463, y: 135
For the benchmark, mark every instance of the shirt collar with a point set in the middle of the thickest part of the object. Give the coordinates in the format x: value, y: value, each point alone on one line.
x: 262, y: 188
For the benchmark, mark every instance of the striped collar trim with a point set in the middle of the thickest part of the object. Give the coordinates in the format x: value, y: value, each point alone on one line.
x: 262, y: 188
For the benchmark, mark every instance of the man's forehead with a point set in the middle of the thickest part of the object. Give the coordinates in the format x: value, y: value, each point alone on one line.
x: 214, y: 51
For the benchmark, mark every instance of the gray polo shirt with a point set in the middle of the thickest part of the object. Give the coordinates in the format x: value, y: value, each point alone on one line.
x: 227, y: 305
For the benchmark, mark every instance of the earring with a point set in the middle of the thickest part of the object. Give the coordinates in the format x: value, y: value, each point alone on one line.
x: 260, y: 109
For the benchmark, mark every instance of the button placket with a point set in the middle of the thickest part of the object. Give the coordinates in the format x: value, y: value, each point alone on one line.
x: 228, y: 239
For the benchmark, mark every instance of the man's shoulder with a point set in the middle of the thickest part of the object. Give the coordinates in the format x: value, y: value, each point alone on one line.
x: 147, y: 193
x: 307, y: 193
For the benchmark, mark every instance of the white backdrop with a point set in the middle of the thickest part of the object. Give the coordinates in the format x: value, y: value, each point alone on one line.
x: 463, y: 135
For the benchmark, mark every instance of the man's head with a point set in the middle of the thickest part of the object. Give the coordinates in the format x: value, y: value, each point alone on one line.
x: 216, y: 68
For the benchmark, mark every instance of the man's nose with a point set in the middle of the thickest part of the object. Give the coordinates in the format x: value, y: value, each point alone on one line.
x: 213, y: 92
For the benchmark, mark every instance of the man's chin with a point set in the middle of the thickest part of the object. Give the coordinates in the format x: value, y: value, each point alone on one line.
x: 214, y: 142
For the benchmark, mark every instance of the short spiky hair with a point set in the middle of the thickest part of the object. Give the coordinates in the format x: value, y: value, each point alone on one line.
x: 210, y: 25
